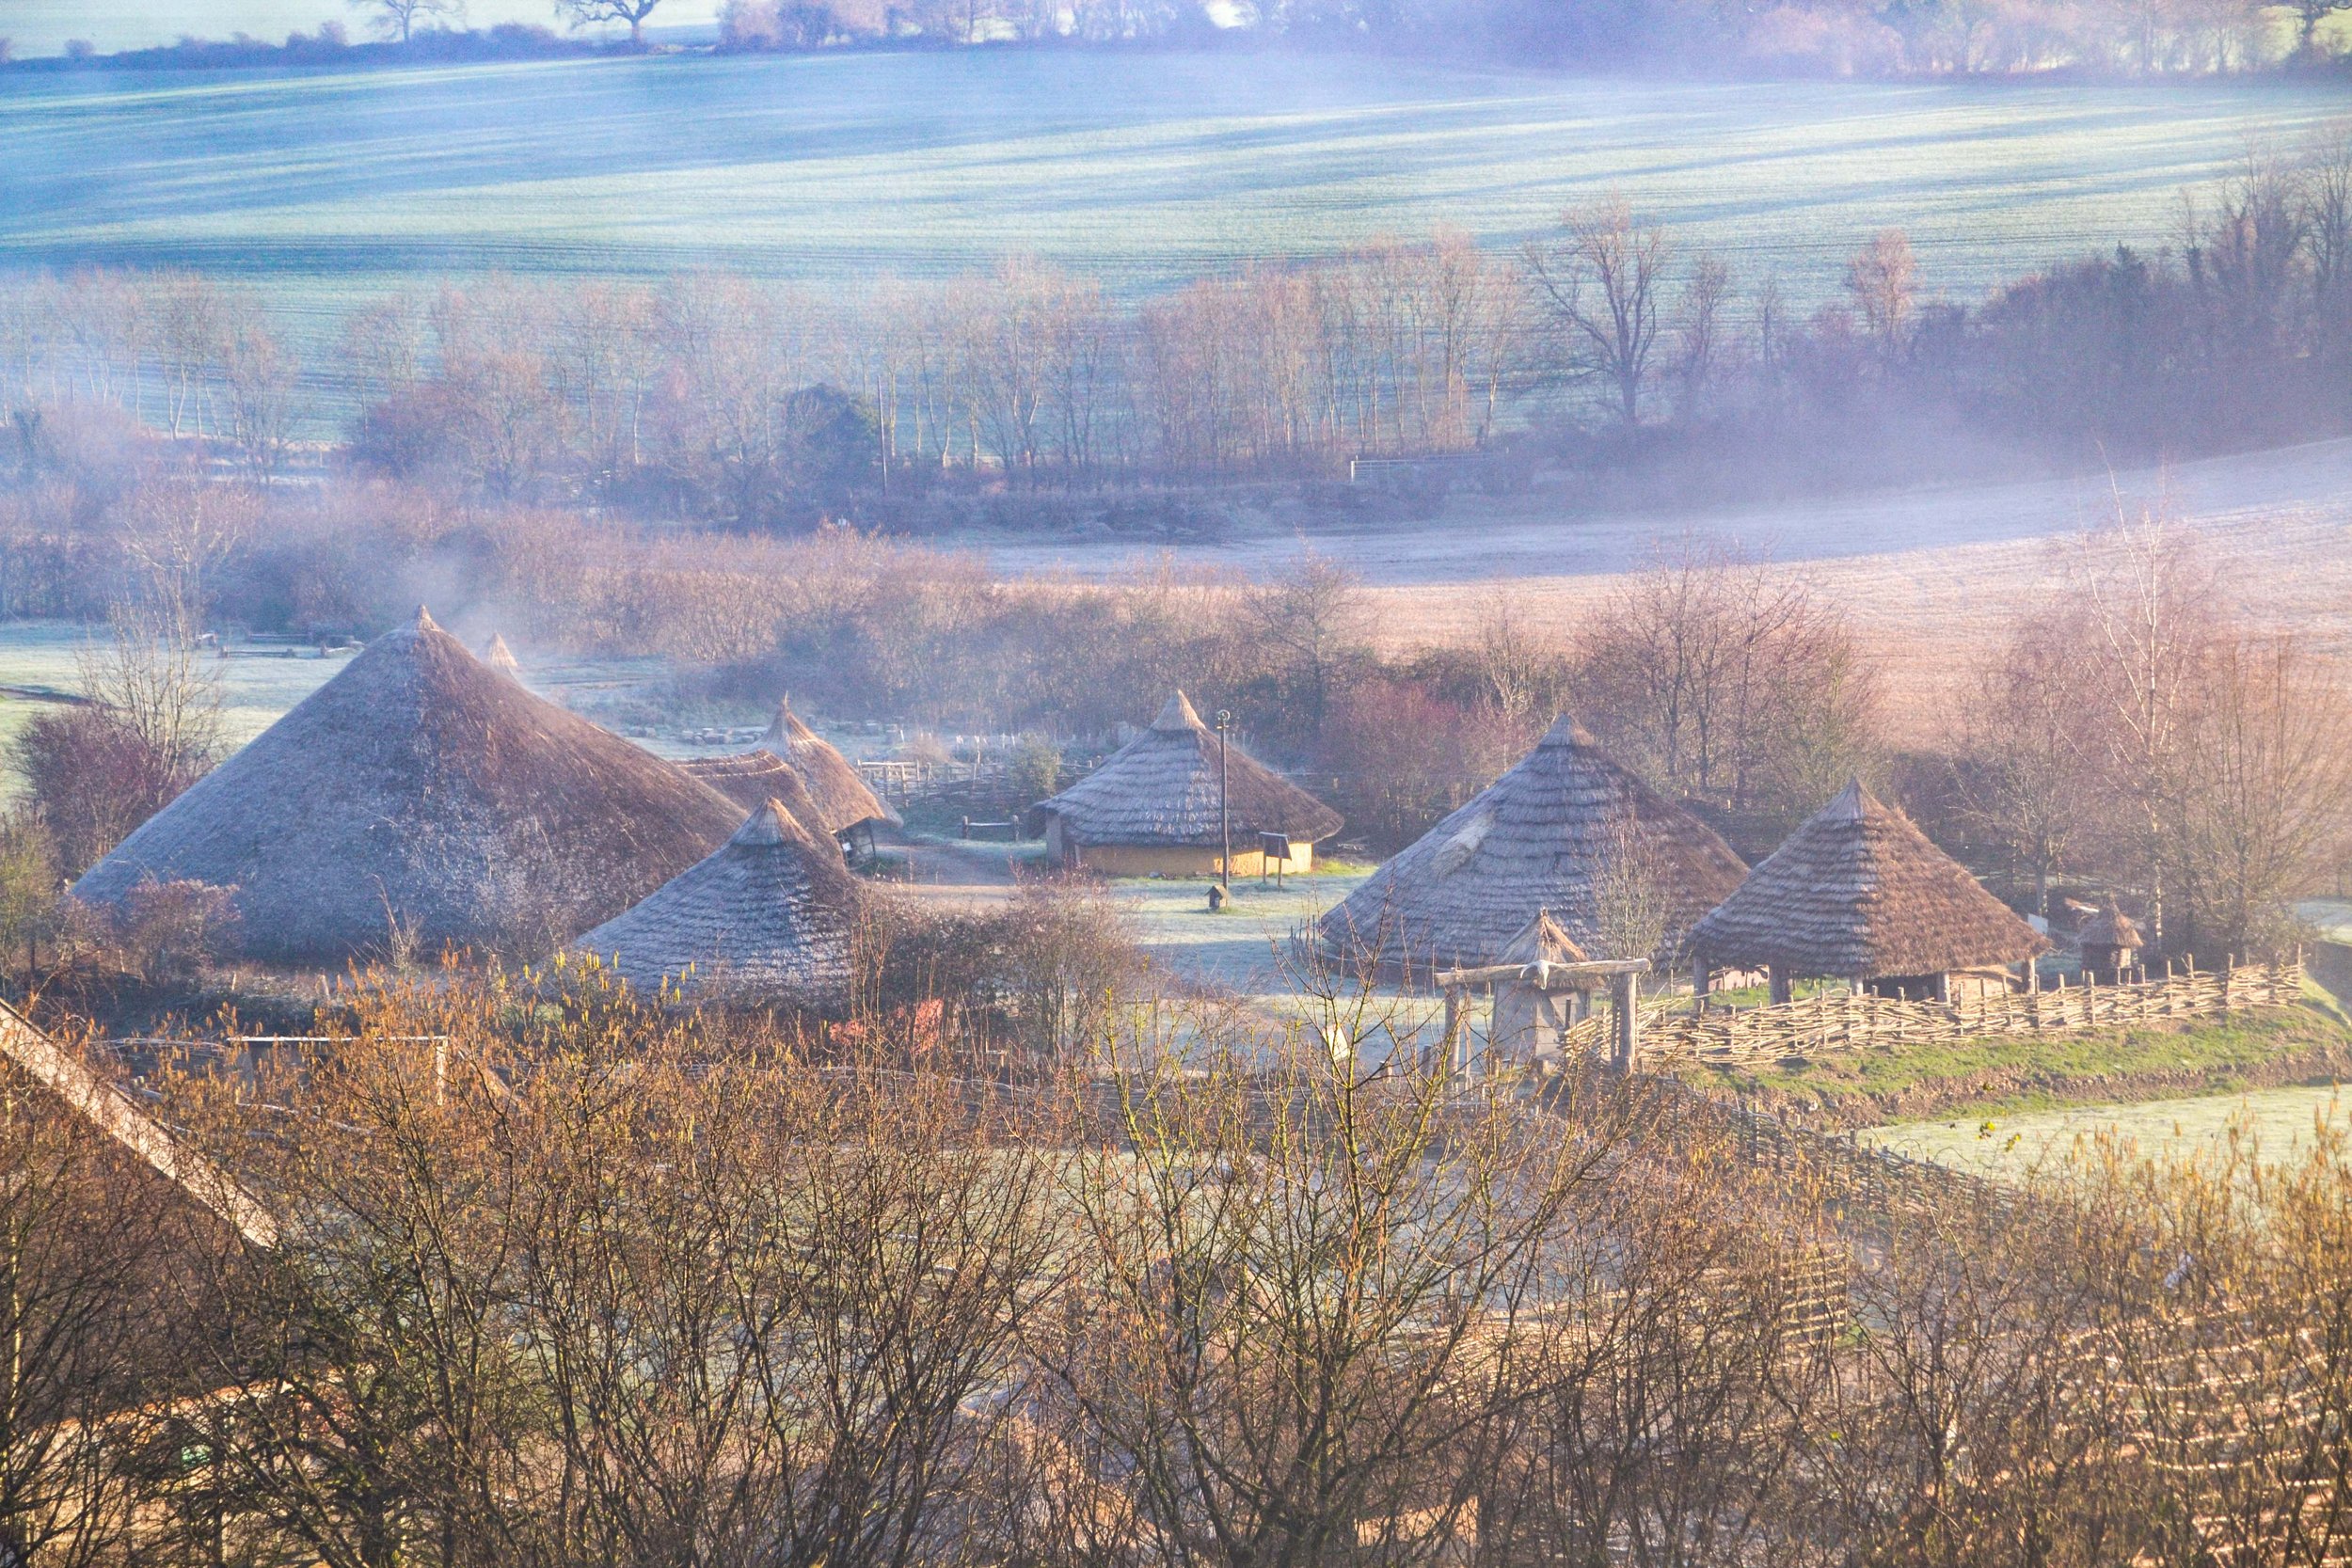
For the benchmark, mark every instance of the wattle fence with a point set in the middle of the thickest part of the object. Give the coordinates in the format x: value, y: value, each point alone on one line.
x: 1839, y: 1022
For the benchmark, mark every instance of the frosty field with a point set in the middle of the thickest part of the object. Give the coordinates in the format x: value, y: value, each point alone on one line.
x: 1143, y: 167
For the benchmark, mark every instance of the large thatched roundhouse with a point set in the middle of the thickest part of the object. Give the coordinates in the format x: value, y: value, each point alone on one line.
x: 1859, y: 893
x: 770, y: 917
x: 1544, y: 836
x: 419, y: 787
x: 843, y: 799
x: 1152, y: 808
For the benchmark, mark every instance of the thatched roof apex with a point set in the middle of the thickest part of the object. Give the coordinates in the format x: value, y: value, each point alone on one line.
x: 1537, y: 839
x: 1859, y: 892
x: 421, y: 785
x: 2110, y: 927
x: 842, y: 798
x: 1177, y: 715
x: 1542, y: 940
x: 499, y: 657
x: 1162, y: 789
x: 770, y: 917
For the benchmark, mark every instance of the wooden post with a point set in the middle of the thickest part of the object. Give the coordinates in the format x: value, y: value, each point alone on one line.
x: 1779, y: 986
x: 1453, y: 1022
x: 1623, y: 995
x: 1700, y: 980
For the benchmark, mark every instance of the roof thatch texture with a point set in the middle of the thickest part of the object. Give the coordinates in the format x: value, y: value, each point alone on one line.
x: 2110, y: 927
x: 499, y: 657
x: 1544, y: 836
x: 842, y: 798
x: 752, y: 779
x: 768, y: 917
x: 421, y: 787
x: 1161, y: 789
x: 1858, y: 892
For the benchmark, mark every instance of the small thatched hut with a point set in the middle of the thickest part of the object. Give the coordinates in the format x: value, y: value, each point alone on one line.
x: 2110, y: 943
x: 1858, y: 894
x: 1152, y: 808
x: 843, y: 799
x: 1562, y: 831
x: 420, y: 789
x: 768, y: 917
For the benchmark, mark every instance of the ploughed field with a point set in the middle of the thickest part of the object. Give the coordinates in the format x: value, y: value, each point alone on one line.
x: 1146, y: 168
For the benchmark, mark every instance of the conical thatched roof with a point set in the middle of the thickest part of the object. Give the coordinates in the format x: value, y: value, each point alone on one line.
x: 1858, y: 892
x: 1540, y: 838
x: 842, y: 798
x: 499, y: 657
x: 1542, y: 940
x: 2111, y: 927
x: 768, y: 916
x: 1161, y: 789
x: 752, y: 779
x: 421, y: 785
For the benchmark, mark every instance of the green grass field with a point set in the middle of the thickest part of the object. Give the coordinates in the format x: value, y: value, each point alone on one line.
x: 1143, y: 167
x: 2018, y: 1147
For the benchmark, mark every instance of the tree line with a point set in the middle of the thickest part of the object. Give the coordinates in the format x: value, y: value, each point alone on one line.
x: 1608, y: 348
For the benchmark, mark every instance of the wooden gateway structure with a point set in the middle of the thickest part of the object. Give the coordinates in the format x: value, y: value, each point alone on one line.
x: 1153, y: 808
x: 768, y: 917
x: 1859, y: 893
x: 423, y: 793
x: 1545, y: 837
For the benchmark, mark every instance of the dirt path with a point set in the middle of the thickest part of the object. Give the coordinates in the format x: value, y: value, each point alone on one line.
x: 955, y: 876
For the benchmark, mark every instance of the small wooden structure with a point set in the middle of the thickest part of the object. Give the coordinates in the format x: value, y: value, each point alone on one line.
x: 1542, y: 989
x: 2110, y: 945
x: 1858, y: 894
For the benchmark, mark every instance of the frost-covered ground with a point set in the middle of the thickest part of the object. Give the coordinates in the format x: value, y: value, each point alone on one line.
x: 1143, y: 167
x: 2012, y: 1148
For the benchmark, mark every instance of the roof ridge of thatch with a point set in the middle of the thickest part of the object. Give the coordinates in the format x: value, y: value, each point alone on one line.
x: 419, y: 785
x: 1539, y: 837
x: 1858, y: 892
x: 1163, y: 789
x: 770, y: 915
x: 499, y: 657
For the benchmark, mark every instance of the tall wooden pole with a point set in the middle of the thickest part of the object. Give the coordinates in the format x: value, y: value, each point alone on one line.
x: 1224, y: 815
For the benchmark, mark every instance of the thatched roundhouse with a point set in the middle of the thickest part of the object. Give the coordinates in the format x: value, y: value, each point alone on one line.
x: 752, y: 779
x: 770, y: 917
x: 1152, y: 808
x: 419, y: 787
x: 1859, y: 893
x: 1546, y: 835
x: 842, y: 798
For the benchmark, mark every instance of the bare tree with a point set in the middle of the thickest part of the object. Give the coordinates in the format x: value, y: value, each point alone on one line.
x: 585, y: 13
x: 397, y: 18
x: 1599, y: 286
x: 2026, y: 739
x: 1314, y: 616
x: 1884, y: 279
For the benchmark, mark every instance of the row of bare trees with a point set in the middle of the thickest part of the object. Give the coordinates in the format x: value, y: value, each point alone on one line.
x: 628, y: 1287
